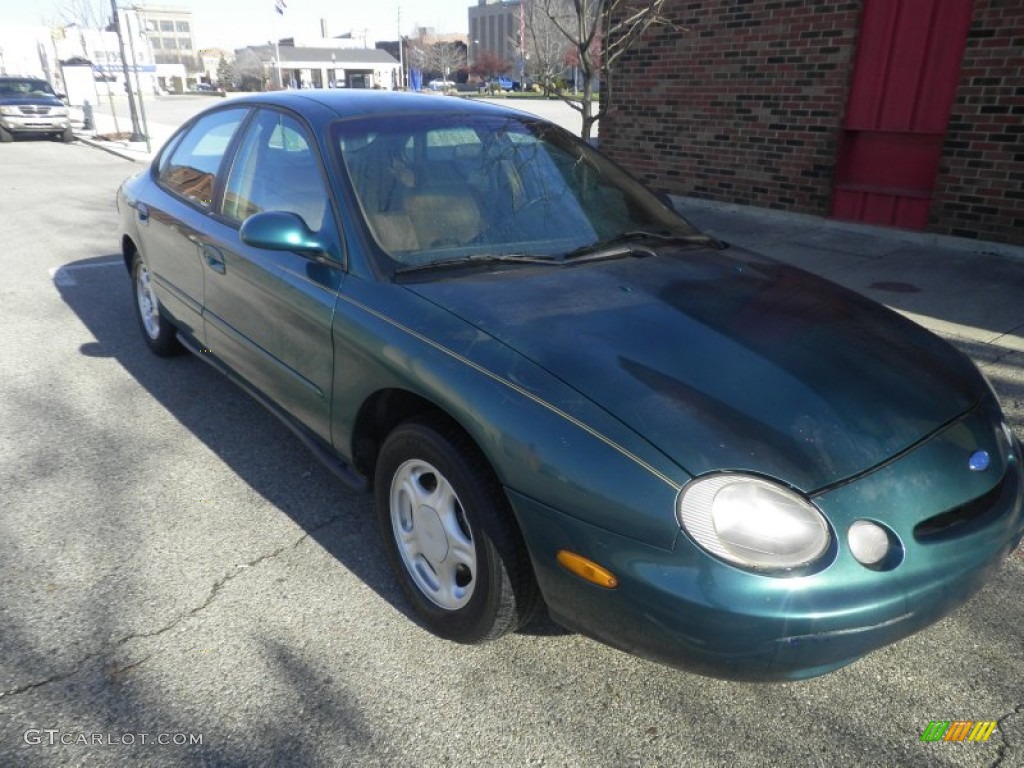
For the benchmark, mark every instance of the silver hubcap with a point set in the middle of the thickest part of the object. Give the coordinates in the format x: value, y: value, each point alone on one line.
x: 149, y: 308
x: 433, y: 535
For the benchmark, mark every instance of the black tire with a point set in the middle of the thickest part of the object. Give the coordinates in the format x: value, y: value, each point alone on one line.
x: 157, y: 331
x: 67, y: 136
x: 5, y: 136
x: 493, y: 590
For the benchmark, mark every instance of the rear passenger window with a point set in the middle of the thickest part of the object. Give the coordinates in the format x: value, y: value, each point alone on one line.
x: 190, y: 170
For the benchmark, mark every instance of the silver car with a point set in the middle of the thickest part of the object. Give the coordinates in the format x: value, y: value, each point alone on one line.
x: 29, y: 106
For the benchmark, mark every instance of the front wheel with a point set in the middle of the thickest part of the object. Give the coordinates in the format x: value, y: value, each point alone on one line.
x: 157, y: 331
x: 450, y: 535
x: 67, y: 135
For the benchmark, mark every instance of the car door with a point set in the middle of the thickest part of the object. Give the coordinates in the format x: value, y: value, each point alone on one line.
x: 170, y: 221
x: 267, y: 314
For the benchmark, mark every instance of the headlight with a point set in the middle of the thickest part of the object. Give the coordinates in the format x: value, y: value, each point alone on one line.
x: 752, y: 522
x: 9, y: 111
x: 59, y: 111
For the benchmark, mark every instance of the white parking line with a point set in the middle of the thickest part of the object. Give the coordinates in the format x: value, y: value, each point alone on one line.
x: 63, y: 278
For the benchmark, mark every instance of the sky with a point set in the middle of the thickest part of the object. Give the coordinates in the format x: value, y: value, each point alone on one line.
x: 235, y: 23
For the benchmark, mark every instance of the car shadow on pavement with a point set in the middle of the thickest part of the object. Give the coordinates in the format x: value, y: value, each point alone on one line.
x: 245, y: 436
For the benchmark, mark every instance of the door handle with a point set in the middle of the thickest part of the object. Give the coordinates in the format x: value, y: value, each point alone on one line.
x: 214, y: 259
x: 142, y: 211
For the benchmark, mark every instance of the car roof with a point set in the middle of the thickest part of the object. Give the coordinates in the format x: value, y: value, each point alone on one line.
x: 347, y: 102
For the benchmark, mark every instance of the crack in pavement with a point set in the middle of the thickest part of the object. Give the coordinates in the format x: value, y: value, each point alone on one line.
x: 214, y: 590
x: 1004, y: 750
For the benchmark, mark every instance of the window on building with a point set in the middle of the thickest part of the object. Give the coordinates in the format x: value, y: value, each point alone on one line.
x: 181, y: 26
x: 166, y: 26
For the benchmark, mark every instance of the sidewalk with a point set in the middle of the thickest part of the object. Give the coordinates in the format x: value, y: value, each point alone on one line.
x: 136, y: 151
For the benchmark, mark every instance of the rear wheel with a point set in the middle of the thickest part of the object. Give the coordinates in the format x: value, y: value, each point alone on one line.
x: 157, y: 331
x: 450, y: 535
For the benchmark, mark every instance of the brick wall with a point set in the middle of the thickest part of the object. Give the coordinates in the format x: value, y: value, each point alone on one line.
x: 980, y: 188
x: 747, y: 107
x: 744, y: 107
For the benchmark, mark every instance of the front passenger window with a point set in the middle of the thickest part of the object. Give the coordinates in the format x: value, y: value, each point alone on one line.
x: 191, y: 169
x: 276, y: 169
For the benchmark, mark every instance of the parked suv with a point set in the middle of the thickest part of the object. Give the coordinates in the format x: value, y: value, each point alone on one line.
x: 29, y: 106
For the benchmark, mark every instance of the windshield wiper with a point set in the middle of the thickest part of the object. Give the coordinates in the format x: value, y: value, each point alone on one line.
x: 478, y: 258
x: 623, y: 245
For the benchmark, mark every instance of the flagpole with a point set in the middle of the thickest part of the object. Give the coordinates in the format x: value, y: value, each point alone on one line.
x: 278, y: 11
x: 277, y: 55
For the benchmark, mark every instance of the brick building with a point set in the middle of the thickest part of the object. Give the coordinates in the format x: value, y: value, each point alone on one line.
x: 905, y: 113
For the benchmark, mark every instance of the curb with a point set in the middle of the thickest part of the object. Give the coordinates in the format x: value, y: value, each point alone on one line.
x: 932, y: 239
x: 124, y: 154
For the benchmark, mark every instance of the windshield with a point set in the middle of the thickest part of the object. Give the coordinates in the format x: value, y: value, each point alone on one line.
x: 438, y: 187
x: 25, y: 87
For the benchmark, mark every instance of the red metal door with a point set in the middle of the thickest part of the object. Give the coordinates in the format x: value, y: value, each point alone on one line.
x: 904, y: 81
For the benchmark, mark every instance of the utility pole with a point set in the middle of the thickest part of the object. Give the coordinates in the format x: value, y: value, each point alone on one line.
x: 138, y: 79
x: 401, y: 54
x: 136, y: 133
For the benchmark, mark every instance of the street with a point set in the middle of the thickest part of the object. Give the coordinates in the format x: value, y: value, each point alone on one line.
x: 184, y: 584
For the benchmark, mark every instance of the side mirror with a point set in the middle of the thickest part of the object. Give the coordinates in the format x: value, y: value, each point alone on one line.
x: 281, y: 231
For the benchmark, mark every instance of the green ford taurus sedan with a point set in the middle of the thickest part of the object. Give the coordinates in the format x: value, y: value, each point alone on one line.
x: 558, y: 390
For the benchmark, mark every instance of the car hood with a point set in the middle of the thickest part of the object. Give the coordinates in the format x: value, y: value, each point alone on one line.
x: 35, y: 101
x: 726, y: 360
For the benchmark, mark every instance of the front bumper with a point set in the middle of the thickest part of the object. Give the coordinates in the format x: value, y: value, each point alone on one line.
x: 687, y: 609
x: 34, y: 124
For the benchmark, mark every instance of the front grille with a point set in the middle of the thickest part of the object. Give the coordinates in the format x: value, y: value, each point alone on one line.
x: 967, y: 517
x: 31, y: 109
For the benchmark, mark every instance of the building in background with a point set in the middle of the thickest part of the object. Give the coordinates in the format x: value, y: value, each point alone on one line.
x: 904, y: 113
x: 497, y: 26
x: 171, y: 35
x: 323, y: 64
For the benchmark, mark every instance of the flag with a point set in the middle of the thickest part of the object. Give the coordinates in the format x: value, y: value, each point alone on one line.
x: 279, y: 6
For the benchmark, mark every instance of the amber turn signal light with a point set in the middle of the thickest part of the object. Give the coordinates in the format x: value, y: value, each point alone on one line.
x: 587, y: 570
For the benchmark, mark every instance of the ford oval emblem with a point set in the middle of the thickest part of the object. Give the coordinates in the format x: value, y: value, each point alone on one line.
x: 979, y: 461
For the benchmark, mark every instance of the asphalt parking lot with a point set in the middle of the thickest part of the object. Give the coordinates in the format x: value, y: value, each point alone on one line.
x: 183, y: 583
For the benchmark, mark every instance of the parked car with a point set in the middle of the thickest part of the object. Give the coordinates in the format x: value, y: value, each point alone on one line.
x: 441, y: 85
x: 557, y: 389
x: 30, y: 107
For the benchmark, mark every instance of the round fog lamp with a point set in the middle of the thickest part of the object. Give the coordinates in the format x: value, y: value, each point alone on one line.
x: 869, y: 542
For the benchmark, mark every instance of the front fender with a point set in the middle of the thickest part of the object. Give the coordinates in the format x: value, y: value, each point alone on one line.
x: 542, y: 438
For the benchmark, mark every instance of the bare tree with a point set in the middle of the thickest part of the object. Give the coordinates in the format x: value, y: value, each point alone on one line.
x: 489, y: 65
x: 87, y: 14
x: 249, y: 70
x: 591, y: 35
x: 441, y: 59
